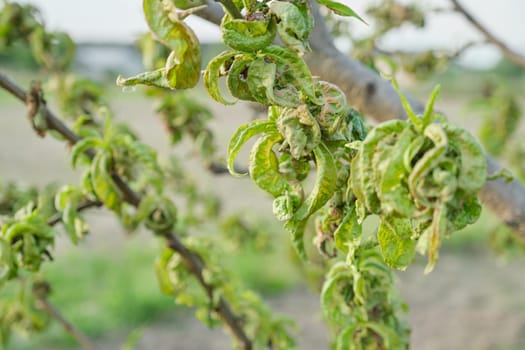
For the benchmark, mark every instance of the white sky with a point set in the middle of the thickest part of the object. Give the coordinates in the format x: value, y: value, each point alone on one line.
x: 122, y: 20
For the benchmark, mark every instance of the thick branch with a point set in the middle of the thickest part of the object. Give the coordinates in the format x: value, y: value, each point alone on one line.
x: 192, y: 260
x: 512, y: 55
x: 375, y: 98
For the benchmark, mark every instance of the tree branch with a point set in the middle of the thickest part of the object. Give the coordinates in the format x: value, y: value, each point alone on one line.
x: 376, y: 98
x: 56, y: 218
x: 40, y: 292
x: 192, y: 260
x: 512, y: 55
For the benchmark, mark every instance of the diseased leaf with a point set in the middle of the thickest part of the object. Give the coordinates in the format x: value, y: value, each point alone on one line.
x: 349, y: 232
x: 243, y: 134
x: 300, y: 130
x: 323, y: 190
x: 473, y: 170
x: 247, y: 36
x: 324, y: 186
x: 397, y: 245
x: 154, y: 78
x: 262, y: 83
x: 427, y: 163
x: 264, y: 167
x: 367, y: 174
x: 238, y: 78
x: 182, y: 69
x: 213, y: 73
x: 297, y: 70
x: 294, y: 24
x: 103, y: 185
x: 393, y: 192
x: 81, y: 147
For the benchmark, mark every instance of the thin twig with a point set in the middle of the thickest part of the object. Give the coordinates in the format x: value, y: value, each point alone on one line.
x: 56, y: 218
x: 218, y: 168
x: 192, y: 260
x: 230, y: 7
x: 40, y: 291
x: 509, y: 53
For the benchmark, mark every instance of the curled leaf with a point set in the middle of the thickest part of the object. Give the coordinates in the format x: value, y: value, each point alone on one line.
x: 294, y: 24
x: 247, y: 36
x: 243, y: 134
x: 264, y: 168
x: 397, y: 245
x: 102, y: 183
x: 296, y: 70
x: 213, y: 73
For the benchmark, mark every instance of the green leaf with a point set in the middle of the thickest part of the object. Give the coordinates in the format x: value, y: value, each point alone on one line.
x: 213, y: 73
x: 340, y: 9
x: 264, y: 167
x: 414, y: 119
x: 428, y: 115
x: 394, y: 236
x: 243, y: 134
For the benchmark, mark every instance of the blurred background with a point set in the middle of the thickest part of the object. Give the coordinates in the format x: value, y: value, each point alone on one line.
x: 106, y: 286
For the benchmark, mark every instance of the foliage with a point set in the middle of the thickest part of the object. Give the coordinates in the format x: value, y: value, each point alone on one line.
x: 419, y: 176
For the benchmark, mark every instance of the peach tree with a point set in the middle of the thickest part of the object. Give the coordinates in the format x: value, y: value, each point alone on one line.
x: 419, y: 174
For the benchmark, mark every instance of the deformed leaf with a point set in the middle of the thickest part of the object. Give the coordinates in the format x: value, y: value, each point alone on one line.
x: 82, y: 146
x: 247, y: 36
x: 243, y: 134
x: 103, y: 185
x: 238, y: 78
x: 298, y: 71
x: 324, y: 186
x: 262, y: 83
x: 473, y: 170
x: 348, y: 232
x: 323, y: 190
x: 394, y: 236
x: 213, y: 73
x: 154, y: 78
x: 294, y: 25
x: 264, y: 167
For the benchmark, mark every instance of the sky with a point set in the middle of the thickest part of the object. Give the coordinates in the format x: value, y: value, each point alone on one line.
x: 122, y: 21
